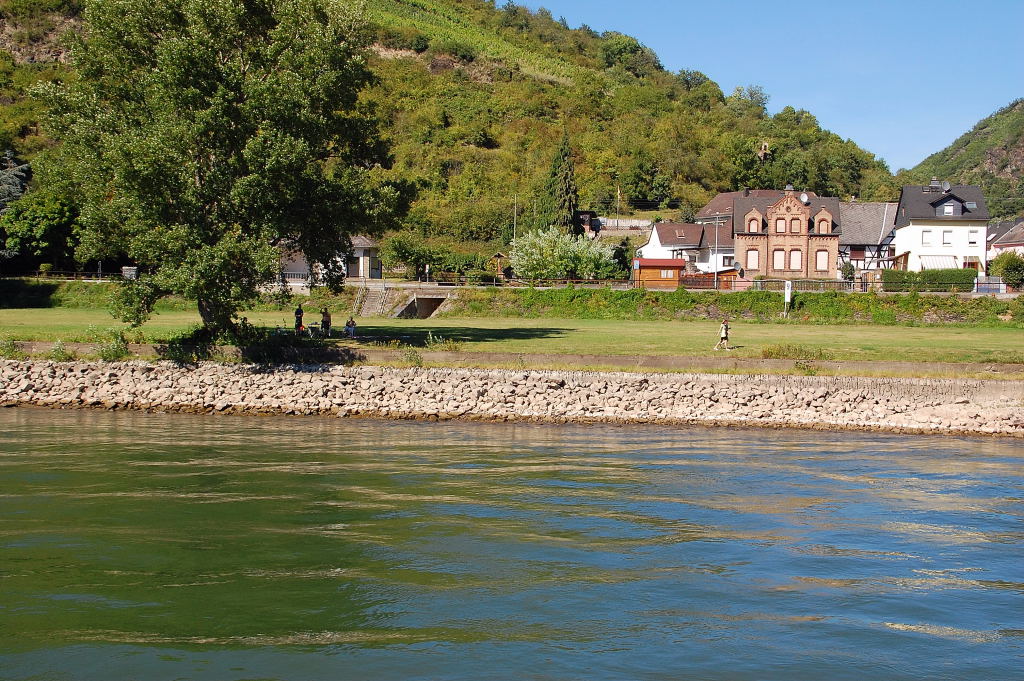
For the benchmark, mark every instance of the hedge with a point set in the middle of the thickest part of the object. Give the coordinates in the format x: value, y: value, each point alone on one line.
x: 929, y: 280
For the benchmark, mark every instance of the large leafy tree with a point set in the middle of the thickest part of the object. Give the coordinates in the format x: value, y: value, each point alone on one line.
x: 204, y: 135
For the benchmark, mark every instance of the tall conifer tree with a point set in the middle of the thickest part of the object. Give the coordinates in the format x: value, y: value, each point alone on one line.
x: 562, y: 193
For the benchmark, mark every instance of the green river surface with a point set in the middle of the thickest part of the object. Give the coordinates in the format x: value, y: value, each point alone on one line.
x: 161, y: 547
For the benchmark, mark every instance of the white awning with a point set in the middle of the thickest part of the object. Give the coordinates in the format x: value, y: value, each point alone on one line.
x: 939, y: 262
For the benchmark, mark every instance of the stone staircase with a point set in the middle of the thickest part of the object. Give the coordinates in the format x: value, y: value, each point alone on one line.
x: 373, y: 302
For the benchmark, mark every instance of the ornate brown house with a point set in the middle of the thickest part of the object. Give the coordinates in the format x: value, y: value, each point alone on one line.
x: 792, y: 237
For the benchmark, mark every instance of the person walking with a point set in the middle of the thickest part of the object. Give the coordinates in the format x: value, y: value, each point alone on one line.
x: 723, y: 336
x: 325, y: 322
x: 298, y: 319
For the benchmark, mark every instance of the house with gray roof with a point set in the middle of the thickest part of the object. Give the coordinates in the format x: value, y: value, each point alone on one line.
x: 363, y: 263
x: 940, y: 226
x: 866, y: 240
x: 1011, y: 240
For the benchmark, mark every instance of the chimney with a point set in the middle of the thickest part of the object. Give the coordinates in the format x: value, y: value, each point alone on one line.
x: 789, y: 189
x: 746, y: 192
x: 934, y: 186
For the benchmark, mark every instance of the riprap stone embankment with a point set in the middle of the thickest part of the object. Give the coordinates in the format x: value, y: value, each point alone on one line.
x: 823, y: 402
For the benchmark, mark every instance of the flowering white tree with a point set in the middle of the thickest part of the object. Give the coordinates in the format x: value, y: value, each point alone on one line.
x: 553, y: 254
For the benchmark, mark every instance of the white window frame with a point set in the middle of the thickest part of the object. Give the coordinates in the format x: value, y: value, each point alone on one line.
x: 779, y: 259
x: 947, y: 209
x: 727, y: 260
x: 752, y: 226
x: 794, y: 226
x: 753, y: 259
x: 780, y: 225
x: 972, y: 237
x: 926, y: 237
x: 666, y: 274
x: 947, y: 237
x: 818, y: 265
x: 796, y: 259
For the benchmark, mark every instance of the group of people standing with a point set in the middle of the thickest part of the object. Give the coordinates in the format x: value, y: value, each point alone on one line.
x: 325, y: 323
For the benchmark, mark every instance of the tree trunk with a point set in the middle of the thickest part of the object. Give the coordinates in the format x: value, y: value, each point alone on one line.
x: 217, y: 317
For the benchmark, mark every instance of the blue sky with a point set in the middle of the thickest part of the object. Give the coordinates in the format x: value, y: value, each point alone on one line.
x: 901, y: 79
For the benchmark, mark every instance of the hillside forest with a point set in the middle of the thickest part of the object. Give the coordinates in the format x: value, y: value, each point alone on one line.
x: 474, y: 99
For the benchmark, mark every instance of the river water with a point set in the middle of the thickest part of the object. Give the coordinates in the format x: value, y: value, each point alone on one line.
x: 160, y: 547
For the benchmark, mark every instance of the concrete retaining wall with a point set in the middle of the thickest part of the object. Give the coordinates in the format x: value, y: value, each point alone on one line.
x: 852, y: 403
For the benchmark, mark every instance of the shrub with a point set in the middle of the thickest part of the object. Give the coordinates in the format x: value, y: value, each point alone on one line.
x: 114, y: 348
x: 403, y: 38
x: 441, y: 344
x: 1009, y: 266
x: 58, y: 353
x: 462, y: 51
x: 412, y: 357
x: 10, y: 350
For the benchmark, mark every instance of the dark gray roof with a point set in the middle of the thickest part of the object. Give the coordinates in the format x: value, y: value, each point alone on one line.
x: 996, y: 230
x: 744, y: 204
x: 1013, y: 236
x: 919, y: 202
x: 866, y: 224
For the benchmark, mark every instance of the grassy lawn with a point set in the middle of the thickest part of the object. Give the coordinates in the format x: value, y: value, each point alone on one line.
x: 574, y: 336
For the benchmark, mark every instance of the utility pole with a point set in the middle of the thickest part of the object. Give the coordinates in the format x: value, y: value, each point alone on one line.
x: 714, y: 256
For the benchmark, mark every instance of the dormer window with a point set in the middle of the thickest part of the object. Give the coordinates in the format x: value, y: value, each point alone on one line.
x: 823, y: 227
x: 947, y: 209
x: 752, y: 225
x: 971, y: 205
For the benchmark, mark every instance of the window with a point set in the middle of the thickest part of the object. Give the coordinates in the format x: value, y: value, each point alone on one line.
x: 971, y: 205
x: 972, y: 237
x: 780, y: 225
x: 823, y: 227
x: 752, y: 260
x: 752, y: 225
x: 947, y: 209
x: 779, y: 259
x: 947, y: 237
x: 926, y: 237
x: 666, y: 274
x: 794, y: 226
x: 821, y: 261
x: 796, y: 260
x: 727, y: 261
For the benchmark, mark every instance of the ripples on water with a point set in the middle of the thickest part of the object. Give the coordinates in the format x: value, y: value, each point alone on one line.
x: 176, y: 547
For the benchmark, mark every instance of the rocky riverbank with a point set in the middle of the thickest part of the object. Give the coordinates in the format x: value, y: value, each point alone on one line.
x: 821, y: 402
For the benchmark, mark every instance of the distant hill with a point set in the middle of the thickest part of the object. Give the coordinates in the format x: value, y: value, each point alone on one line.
x: 990, y: 155
x: 475, y: 98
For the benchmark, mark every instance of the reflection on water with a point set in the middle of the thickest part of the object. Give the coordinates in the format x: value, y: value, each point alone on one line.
x: 178, y: 547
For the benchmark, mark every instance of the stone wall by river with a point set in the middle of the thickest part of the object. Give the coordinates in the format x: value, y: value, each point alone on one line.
x: 852, y: 403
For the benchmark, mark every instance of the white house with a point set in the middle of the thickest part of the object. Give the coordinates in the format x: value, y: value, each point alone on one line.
x: 705, y: 248
x: 363, y: 264
x: 940, y: 226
